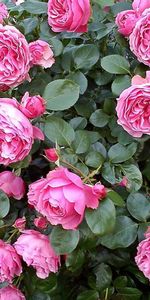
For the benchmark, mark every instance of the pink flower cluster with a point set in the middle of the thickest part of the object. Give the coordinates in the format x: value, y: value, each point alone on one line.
x: 135, y: 25
x: 143, y: 255
x: 133, y: 107
x: 17, y: 60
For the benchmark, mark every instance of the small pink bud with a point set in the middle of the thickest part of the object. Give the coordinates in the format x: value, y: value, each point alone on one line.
x: 40, y: 222
x: 20, y: 223
x: 51, y: 154
x: 123, y: 182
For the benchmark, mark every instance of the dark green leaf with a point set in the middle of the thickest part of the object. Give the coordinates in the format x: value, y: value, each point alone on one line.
x: 64, y: 241
x: 102, y: 220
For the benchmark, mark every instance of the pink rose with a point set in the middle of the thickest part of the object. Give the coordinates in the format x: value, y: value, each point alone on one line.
x: 140, y: 5
x: 133, y: 108
x: 69, y: 15
x: 62, y: 197
x: 36, y: 251
x: 139, y: 38
x: 12, y: 185
x: 10, y: 264
x: 12, y: 293
x: 32, y: 106
x: 3, y: 12
x: 143, y: 256
x: 126, y: 21
x: 41, y: 54
x: 51, y: 154
x: 16, y: 132
x: 20, y: 223
x: 40, y: 222
x: 14, y: 57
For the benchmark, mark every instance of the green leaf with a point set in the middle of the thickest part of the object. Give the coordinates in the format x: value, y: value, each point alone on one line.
x: 139, y: 206
x: 94, y: 159
x: 134, y: 177
x: 4, y: 204
x: 35, y: 7
x: 103, y: 276
x: 88, y: 295
x: 64, y: 241
x: 78, y: 123
x: 57, y: 130
x: 81, y: 142
x: 116, y: 198
x: 75, y: 260
x: 85, y: 56
x: 80, y: 79
x: 120, y: 84
x: 108, y: 173
x: 118, y: 153
x: 39, y: 296
x: 129, y: 293
x: 124, y: 234
x: 115, y: 64
x: 99, y: 118
x: 102, y: 220
x: 61, y: 94
x: 29, y: 24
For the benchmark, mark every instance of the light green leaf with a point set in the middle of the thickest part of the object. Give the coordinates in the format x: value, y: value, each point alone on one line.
x: 61, y: 94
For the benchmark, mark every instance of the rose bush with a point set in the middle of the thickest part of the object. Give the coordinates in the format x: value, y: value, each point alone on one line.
x: 74, y: 150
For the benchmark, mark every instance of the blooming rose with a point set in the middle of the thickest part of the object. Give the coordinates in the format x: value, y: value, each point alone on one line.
x: 126, y: 21
x: 12, y: 293
x: 10, y: 264
x: 143, y: 255
x: 51, y: 154
x: 32, y: 106
x: 139, y: 38
x: 36, y: 251
x: 69, y: 15
x: 133, y: 108
x: 41, y: 54
x: 40, y: 222
x: 16, y: 132
x: 12, y: 185
x: 140, y: 5
x: 14, y: 57
x: 62, y: 197
x: 3, y: 12
x: 20, y: 223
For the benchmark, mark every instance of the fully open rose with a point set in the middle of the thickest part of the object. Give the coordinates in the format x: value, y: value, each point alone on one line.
x: 139, y: 38
x: 143, y: 255
x: 69, y: 15
x: 14, y: 57
x: 133, y: 107
x: 12, y: 293
x: 62, y: 197
x: 10, y: 264
x: 16, y: 132
x: 36, y: 251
